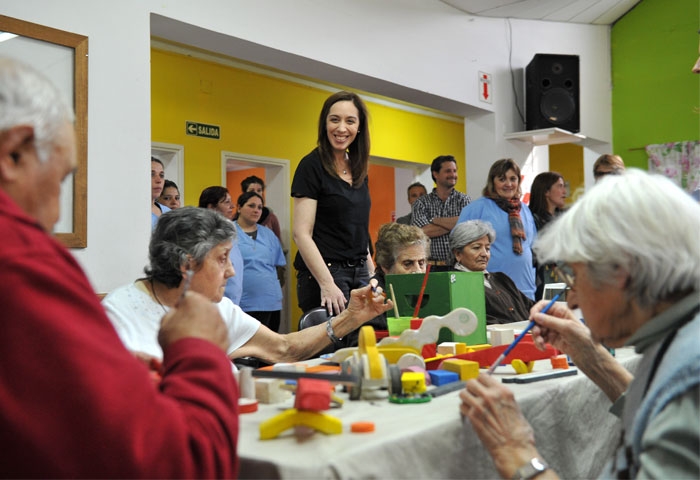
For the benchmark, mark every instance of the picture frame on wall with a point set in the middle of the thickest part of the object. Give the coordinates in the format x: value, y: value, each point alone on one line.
x: 63, y: 57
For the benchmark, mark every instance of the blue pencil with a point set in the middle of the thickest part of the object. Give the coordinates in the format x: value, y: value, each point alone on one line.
x: 505, y: 353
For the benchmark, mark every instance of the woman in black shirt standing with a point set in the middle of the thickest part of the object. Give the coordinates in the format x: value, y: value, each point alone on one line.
x: 331, y: 207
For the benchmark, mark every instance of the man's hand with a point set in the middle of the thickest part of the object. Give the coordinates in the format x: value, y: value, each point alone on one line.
x: 195, y: 316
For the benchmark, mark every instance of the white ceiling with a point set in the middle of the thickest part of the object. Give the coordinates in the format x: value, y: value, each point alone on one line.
x: 597, y: 12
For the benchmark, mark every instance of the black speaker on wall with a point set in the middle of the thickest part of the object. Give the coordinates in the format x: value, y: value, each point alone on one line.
x: 552, y: 92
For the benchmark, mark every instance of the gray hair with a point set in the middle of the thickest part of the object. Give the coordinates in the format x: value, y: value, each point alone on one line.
x: 638, y: 222
x: 28, y: 98
x: 183, y: 234
x: 467, y: 232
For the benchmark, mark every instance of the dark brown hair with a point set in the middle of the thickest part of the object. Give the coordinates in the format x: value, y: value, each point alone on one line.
x: 540, y: 186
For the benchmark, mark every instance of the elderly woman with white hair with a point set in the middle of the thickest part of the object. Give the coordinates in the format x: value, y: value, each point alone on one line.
x: 470, y: 245
x: 630, y: 253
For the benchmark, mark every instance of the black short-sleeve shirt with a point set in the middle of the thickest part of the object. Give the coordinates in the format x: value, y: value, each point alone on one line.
x: 341, y: 226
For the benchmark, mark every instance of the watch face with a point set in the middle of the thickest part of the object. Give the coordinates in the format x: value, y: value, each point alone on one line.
x: 538, y: 465
x: 531, y: 469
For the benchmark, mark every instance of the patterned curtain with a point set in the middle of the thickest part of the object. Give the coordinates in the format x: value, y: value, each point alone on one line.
x: 679, y: 161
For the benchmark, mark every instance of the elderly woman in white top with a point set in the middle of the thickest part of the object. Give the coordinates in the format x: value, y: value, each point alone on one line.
x: 201, y: 239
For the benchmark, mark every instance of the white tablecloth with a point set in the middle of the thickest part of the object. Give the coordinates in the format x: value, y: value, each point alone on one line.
x: 573, y: 430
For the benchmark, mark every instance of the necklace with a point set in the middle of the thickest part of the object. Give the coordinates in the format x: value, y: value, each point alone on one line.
x: 155, y: 295
x: 343, y: 169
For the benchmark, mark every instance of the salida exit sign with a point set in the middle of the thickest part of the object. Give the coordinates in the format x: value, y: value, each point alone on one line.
x: 202, y: 130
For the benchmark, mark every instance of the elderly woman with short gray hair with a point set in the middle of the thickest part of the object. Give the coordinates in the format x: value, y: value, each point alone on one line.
x: 200, y: 240
x: 470, y: 245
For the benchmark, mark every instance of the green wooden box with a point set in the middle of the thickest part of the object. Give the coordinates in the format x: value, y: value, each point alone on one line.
x: 444, y: 292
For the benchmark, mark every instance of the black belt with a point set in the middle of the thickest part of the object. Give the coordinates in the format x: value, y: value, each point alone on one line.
x: 347, y: 263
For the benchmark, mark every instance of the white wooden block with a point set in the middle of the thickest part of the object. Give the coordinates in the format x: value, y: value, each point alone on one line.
x: 502, y: 337
x: 267, y: 390
x: 447, y: 348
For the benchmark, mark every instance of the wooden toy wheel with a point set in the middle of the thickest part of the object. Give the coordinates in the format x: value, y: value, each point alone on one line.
x: 351, y: 367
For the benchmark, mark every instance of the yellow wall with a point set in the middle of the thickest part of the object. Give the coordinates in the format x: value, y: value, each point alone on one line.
x: 270, y: 117
x: 567, y: 159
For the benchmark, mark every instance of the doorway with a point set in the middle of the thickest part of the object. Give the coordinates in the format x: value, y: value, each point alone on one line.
x: 173, y: 158
x: 277, y: 180
x: 405, y: 173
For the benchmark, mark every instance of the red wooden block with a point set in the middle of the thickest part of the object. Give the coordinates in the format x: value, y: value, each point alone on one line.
x: 429, y: 350
x: 313, y: 394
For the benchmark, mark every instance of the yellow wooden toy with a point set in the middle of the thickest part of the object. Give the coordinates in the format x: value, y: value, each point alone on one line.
x: 413, y: 382
x: 466, y: 369
x: 521, y: 367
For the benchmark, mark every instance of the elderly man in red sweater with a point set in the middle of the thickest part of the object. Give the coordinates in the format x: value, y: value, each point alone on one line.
x: 73, y: 401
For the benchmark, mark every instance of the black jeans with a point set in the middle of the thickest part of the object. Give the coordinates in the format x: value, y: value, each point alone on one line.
x: 346, y: 277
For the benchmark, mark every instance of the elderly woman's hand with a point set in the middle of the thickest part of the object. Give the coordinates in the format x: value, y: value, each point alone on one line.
x: 497, y: 420
x: 560, y: 328
x: 366, y: 304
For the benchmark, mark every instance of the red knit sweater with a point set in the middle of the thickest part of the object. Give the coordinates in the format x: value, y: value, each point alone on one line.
x: 74, y: 402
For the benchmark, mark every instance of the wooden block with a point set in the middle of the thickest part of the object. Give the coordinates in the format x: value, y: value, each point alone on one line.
x: 560, y: 361
x: 268, y: 390
x: 313, y: 395
x: 420, y: 370
x: 442, y: 377
x: 413, y: 382
x: 466, y: 369
x: 477, y: 347
x: 246, y: 383
x: 447, y: 348
x: 502, y: 337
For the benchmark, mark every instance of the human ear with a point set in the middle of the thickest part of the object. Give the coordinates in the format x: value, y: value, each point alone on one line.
x: 14, y: 143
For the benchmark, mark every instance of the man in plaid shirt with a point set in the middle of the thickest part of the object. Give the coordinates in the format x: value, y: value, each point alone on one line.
x: 437, y: 212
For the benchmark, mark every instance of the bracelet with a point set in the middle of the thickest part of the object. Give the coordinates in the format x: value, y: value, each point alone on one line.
x: 331, y: 333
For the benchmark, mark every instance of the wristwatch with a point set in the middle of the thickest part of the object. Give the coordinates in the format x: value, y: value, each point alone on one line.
x: 331, y: 333
x: 530, y: 470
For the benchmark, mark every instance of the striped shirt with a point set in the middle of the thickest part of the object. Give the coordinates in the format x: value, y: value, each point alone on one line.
x: 430, y: 206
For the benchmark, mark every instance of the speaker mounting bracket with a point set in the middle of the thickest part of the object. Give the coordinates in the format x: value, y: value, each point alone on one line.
x: 545, y: 136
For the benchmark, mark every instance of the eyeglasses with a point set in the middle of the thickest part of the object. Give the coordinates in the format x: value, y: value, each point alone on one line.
x: 566, y: 273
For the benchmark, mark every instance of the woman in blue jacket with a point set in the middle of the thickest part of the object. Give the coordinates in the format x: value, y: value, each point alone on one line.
x: 500, y: 205
x: 262, y: 254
